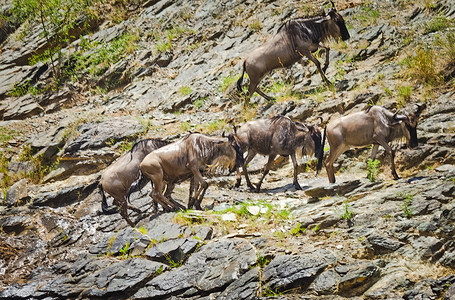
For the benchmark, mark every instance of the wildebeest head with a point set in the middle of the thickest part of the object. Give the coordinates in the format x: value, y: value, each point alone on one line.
x: 238, y: 150
x: 337, y: 25
x: 410, y: 121
x: 312, y: 143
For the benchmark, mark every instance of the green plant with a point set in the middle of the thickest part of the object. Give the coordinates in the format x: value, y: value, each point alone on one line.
x: 256, y: 25
x: 125, y: 250
x: 297, y: 229
x: 347, y: 211
x: 185, y: 90
x: 367, y: 16
x: 422, y: 66
x: 406, y: 206
x: 262, y: 261
x: 159, y: 270
x: 315, y: 228
x: 185, y: 126
x: 448, y: 46
x: 372, y: 169
x: 404, y: 93
x: 172, y: 263
x: 58, y: 19
x: 143, y: 230
x: 199, y: 102
x: 437, y: 23
x: 226, y: 82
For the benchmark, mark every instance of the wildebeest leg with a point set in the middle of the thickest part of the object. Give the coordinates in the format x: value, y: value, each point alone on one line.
x: 198, y: 202
x: 238, y: 180
x: 268, y: 98
x: 191, y: 198
x: 374, y: 151
x: 198, y: 182
x: 167, y: 194
x: 267, y: 167
x: 251, y: 154
x: 380, y: 139
x: 334, y: 153
x: 294, y: 163
x: 124, y: 212
x: 326, y: 63
x: 318, y: 65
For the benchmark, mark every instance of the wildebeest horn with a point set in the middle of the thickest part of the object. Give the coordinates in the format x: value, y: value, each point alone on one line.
x: 398, y: 117
x: 322, y: 120
x: 333, y: 5
x: 420, y: 108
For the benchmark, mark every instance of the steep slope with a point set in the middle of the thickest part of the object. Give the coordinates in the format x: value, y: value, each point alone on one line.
x: 163, y: 68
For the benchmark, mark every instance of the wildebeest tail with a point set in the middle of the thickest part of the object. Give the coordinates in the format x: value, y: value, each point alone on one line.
x: 321, y: 153
x: 239, y: 82
x: 137, y: 185
x: 104, y: 207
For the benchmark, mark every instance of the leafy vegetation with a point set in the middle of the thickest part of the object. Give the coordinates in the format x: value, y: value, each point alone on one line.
x: 406, y: 206
x: 185, y: 90
x: 58, y: 20
x: 372, y: 169
x: 437, y: 23
x: 348, y: 213
x: 421, y: 67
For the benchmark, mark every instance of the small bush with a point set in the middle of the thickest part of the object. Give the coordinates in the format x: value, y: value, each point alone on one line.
x: 372, y: 169
x: 448, y: 46
x: 185, y: 90
x: 422, y: 66
x: 437, y: 24
x: 406, y: 206
x: 347, y: 212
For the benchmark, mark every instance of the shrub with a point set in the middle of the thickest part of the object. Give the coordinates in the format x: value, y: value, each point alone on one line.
x: 372, y: 169
x: 437, y: 23
x: 406, y: 206
x: 422, y: 66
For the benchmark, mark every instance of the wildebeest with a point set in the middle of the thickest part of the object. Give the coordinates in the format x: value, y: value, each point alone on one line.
x: 375, y: 125
x: 185, y: 158
x: 117, y: 178
x: 295, y: 39
x: 278, y: 135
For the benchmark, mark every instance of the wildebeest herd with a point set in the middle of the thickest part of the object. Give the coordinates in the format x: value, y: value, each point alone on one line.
x: 165, y: 164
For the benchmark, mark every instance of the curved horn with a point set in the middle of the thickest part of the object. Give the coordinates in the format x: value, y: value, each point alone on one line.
x: 420, y: 108
x: 333, y: 4
x: 398, y: 117
x: 322, y: 120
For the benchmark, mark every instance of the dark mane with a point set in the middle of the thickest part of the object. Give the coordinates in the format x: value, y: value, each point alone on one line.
x: 276, y: 118
x: 158, y: 143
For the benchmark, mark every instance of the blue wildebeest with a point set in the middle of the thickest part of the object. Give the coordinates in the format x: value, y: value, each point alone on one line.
x: 278, y: 135
x: 117, y: 178
x: 186, y: 158
x: 295, y: 39
x: 375, y: 125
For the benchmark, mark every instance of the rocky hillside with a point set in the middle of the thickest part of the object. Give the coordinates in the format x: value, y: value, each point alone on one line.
x: 161, y: 68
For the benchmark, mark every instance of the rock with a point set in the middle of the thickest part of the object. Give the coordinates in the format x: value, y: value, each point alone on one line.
x: 215, y: 266
x: 173, y: 251
x: 111, y: 280
x: 358, y: 279
x: 326, y: 283
x: 60, y: 195
x: 14, y: 224
x: 96, y: 135
x: 333, y: 189
x: 381, y: 244
x: 246, y: 287
x: 426, y: 246
x: 17, y: 194
x: 291, y: 271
